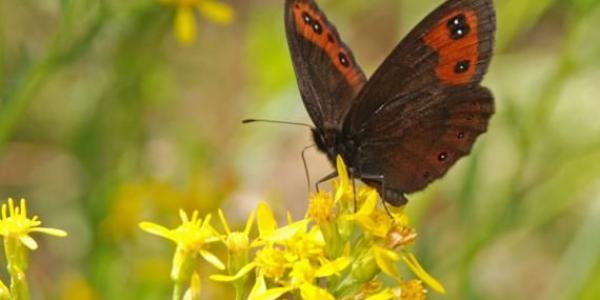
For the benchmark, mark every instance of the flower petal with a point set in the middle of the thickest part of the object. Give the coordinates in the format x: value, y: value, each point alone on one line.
x: 212, y: 259
x: 224, y: 222
x: 333, y: 267
x: 193, y: 293
x: 241, y: 273
x: 343, y: 177
x: 273, y: 294
x: 412, y: 262
x: 156, y: 229
x: 28, y: 241
x: 383, y: 295
x: 185, y: 25
x: 386, y: 260
x: 311, y: 292
x: 287, y: 232
x: 265, y: 219
x: 249, y: 223
x: 216, y: 12
x: 50, y: 231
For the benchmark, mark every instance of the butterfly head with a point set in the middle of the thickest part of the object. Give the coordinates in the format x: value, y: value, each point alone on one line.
x: 333, y: 143
x: 320, y: 140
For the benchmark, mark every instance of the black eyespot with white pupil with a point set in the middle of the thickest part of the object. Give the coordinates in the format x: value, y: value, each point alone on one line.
x: 306, y: 17
x: 344, y: 59
x: 462, y: 66
x: 317, y: 27
x: 443, y: 156
x: 458, y: 27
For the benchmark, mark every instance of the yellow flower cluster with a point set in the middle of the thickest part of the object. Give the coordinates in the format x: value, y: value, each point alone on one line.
x: 346, y: 247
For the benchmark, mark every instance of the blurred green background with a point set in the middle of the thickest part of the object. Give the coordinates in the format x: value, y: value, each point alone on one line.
x: 106, y: 120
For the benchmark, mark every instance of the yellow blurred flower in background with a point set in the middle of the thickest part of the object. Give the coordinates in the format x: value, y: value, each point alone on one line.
x: 185, y: 16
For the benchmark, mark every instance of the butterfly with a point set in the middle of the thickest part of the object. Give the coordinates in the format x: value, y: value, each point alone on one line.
x: 419, y: 113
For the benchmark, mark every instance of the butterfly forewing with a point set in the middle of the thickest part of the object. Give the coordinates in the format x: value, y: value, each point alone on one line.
x: 327, y: 73
x: 451, y: 46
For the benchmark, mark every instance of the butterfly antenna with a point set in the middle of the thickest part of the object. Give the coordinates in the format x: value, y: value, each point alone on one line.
x: 248, y: 121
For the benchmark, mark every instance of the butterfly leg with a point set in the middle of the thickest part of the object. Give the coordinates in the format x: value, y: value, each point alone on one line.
x: 326, y: 178
x: 388, y: 196
x: 303, y: 156
x: 381, y: 180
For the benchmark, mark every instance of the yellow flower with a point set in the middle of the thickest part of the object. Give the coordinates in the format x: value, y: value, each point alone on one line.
x: 400, y: 236
x: 412, y: 290
x: 273, y: 262
x: 185, y: 20
x: 302, y: 277
x: 386, y: 260
x: 371, y: 219
x: 338, y: 251
x: 191, y: 237
x: 238, y: 246
x: 306, y: 244
x: 237, y: 241
x: 16, y: 225
x: 321, y: 207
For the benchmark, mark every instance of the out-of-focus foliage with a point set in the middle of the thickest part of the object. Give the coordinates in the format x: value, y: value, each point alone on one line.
x: 106, y: 120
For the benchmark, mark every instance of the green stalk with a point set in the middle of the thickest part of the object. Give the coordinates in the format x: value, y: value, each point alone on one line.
x: 16, y: 257
x: 17, y: 102
x: 177, y: 291
x: 239, y: 290
x: 15, y: 106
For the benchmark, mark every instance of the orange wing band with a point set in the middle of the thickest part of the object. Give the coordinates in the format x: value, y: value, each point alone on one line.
x: 458, y: 57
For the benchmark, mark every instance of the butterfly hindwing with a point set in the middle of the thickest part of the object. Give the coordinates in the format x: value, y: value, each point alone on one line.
x: 431, y: 139
x: 327, y: 73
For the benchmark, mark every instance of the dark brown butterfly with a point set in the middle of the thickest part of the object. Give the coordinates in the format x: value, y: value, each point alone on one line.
x: 417, y: 115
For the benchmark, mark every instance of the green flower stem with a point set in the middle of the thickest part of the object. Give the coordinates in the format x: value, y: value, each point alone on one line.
x: 184, y: 263
x: 16, y: 257
x: 177, y: 291
x: 237, y: 260
x: 16, y: 102
x: 363, y: 270
x: 239, y: 289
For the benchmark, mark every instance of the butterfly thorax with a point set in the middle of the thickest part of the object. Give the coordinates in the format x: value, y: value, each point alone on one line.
x: 333, y: 143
